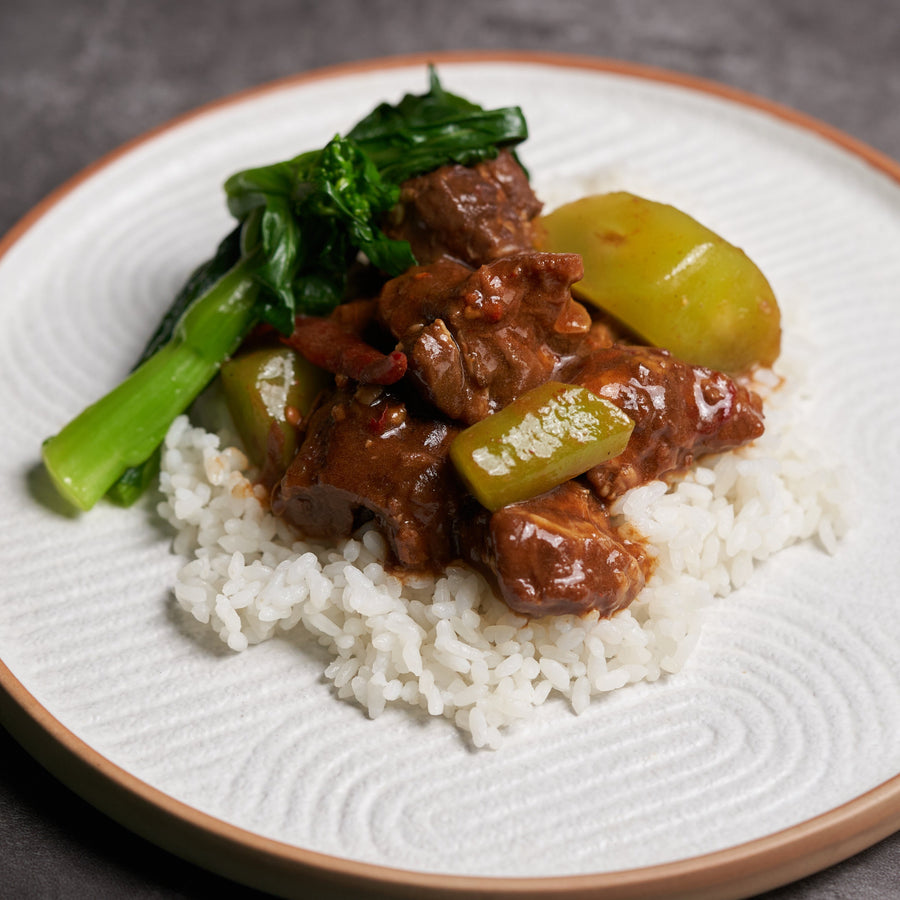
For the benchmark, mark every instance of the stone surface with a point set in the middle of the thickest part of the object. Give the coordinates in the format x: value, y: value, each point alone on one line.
x: 79, y: 78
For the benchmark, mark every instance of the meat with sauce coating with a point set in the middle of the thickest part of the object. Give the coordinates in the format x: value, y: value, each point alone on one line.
x: 483, y: 319
x: 556, y: 554
x: 680, y: 412
x: 471, y: 214
x: 365, y: 456
x: 477, y: 339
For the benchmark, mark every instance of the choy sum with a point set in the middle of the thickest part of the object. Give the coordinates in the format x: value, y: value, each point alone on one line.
x: 300, y: 225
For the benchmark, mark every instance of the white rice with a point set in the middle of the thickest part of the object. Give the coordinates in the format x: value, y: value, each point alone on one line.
x: 447, y: 645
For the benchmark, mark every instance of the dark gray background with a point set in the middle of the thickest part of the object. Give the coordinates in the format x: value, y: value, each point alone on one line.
x: 78, y: 78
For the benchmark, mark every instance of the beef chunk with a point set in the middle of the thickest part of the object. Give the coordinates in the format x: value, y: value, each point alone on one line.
x: 364, y: 456
x: 469, y: 214
x: 557, y: 554
x: 476, y: 340
x: 680, y: 412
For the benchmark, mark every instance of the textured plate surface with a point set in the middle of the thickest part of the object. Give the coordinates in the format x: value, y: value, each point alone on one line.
x: 790, y: 705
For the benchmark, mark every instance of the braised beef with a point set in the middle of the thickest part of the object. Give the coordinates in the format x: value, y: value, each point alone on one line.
x: 680, y: 412
x: 476, y: 340
x: 469, y: 214
x: 365, y: 456
x: 483, y: 319
x: 556, y: 554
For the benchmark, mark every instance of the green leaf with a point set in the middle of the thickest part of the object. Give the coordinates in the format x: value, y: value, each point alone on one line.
x: 250, y: 189
x: 423, y: 132
x: 198, y: 283
x: 320, y: 209
x: 280, y: 237
x: 350, y: 189
x: 135, y: 480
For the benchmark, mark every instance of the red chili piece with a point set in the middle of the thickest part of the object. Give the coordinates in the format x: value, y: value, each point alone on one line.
x: 377, y: 425
x: 325, y: 344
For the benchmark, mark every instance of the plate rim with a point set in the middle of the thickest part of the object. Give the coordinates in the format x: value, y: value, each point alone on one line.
x: 289, y: 870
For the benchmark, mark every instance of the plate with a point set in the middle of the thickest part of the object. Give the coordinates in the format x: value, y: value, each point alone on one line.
x: 774, y: 753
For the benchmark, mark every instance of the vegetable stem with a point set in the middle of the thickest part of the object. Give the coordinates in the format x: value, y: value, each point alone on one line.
x: 301, y: 223
x: 125, y: 427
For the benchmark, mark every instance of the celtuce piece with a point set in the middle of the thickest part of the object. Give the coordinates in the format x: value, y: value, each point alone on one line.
x: 544, y: 437
x: 670, y: 280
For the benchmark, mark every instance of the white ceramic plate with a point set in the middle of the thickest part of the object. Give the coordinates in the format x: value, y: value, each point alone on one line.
x: 775, y: 752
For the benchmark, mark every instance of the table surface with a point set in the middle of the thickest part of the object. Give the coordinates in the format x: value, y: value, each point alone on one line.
x: 79, y: 78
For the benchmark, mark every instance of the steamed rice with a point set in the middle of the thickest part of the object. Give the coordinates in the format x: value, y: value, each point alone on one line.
x: 446, y: 644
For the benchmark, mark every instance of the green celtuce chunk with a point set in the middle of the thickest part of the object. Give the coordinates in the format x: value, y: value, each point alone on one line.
x: 542, y: 439
x: 267, y: 391
x: 669, y: 279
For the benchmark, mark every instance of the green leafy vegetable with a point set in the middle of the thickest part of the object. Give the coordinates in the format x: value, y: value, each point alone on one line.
x: 198, y: 283
x: 425, y: 131
x: 319, y: 209
x: 316, y: 214
x: 302, y: 222
x: 136, y: 479
x: 125, y: 427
